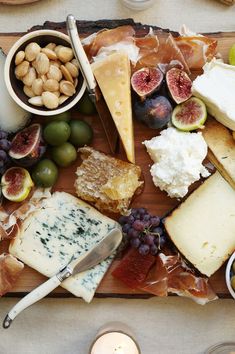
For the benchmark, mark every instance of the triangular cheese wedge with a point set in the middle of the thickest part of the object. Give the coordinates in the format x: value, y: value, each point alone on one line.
x: 113, y: 76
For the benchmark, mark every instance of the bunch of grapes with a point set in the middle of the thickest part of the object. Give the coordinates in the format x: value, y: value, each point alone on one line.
x: 143, y: 231
x: 5, y: 145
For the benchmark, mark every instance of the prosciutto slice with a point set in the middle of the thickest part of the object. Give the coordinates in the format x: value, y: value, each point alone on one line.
x: 172, y: 275
x: 107, y: 38
x: 10, y: 270
x: 164, y: 52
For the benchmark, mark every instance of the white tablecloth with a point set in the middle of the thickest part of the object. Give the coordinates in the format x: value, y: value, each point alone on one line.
x: 162, y: 326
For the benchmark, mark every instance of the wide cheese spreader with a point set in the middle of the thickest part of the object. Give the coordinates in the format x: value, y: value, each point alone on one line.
x: 203, y: 227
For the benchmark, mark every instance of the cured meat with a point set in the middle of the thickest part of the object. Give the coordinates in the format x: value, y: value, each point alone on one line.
x: 133, y: 268
x: 172, y: 275
x: 197, y: 50
x: 106, y: 38
x: 166, y: 52
x: 10, y: 270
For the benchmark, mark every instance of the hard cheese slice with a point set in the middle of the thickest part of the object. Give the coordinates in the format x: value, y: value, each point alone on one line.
x: 221, y: 149
x: 113, y: 76
x: 203, y: 227
x: 63, y: 226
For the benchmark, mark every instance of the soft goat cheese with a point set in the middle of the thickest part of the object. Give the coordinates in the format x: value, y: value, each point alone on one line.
x: 178, y: 160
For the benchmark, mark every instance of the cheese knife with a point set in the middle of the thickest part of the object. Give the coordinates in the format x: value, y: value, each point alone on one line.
x: 91, y: 258
x: 93, y: 89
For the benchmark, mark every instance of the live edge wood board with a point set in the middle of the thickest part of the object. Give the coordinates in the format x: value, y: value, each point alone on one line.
x: 152, y: 198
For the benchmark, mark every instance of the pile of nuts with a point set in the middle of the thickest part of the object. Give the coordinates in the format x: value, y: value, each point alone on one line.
x: 49, y: 74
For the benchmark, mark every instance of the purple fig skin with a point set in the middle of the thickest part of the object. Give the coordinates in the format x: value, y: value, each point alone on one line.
x: 154, y: 112
x: 146, y: 81
x: 179, y: 85
x: 35, y: 154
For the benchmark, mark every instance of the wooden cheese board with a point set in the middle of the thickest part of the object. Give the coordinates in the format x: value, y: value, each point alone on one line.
x: 17, y: 2
x: 152, y: 198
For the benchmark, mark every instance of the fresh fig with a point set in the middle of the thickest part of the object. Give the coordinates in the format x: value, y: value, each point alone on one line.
x: 16, y: 184
x: 189, y: 115
x: 27, y: 146
x: 154, y: 112
x: 179, y: 85
x: 146, y: 81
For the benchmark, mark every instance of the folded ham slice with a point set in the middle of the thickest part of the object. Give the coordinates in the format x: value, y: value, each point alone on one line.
x: 10, y: 270
x: 172, y: 275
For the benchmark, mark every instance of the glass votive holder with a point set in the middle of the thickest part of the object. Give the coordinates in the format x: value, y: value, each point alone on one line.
x: 114, y: 338
x: 138, y: 5
x: 222, y: 348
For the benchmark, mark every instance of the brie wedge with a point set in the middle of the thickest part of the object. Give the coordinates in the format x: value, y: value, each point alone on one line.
x: 203, y: 227
x: 216, y: 88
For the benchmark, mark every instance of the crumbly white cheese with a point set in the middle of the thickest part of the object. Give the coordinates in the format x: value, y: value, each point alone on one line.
x: 178, y: 160
x: 62, y: 227
x: 216, y: 88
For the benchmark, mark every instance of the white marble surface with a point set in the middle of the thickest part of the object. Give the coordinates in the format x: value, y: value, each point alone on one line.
x: 162, y: 326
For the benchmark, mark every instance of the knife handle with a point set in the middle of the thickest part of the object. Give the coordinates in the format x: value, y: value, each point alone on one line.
x: 80, y: 54
x: 37, y: 294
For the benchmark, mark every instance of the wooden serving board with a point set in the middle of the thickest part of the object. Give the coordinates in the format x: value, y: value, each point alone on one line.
x: 152, y: 198
x: 17, y: 2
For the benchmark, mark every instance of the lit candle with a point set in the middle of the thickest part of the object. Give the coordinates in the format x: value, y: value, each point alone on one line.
x: 114, y: 341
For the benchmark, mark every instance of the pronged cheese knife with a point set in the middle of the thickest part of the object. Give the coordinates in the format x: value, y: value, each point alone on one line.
x: 94, y: 91
x: 91, y: 258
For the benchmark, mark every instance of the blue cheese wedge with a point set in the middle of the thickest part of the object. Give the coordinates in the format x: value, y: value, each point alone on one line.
x: 216, y: 87
x: 63, y: 226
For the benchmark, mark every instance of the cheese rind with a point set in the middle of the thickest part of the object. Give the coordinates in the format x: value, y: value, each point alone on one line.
x: 221, y: 149
x: 113, y: 76
x: 216, y: 87
x: 203, y: 227
x: 62, y: 227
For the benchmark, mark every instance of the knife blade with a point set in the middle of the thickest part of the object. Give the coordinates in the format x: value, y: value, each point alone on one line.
x: 93, y: 89
x: 91, y: 258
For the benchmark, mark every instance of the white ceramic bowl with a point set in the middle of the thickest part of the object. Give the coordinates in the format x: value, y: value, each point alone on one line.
x: 228, y: 274
x: 15, y: 87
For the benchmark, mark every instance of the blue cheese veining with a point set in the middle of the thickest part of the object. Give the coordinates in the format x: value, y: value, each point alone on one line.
x: 63, y: 226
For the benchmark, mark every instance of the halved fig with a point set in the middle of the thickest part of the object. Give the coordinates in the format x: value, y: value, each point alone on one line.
x: 179, y: 85
x: 146, y: 81
x: 27, y: 146
x: 154, y: 112
x: 189, y: 115
x: 16, y: 184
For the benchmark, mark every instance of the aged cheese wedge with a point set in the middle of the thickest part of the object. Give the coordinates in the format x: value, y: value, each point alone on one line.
x: 61, y: 227
x: 113, y: 76
x: 203, y: 227
x: 221, y: 149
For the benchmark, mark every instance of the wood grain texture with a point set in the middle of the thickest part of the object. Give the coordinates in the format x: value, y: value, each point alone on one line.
x: 16, y: 2
x: 152, y: 198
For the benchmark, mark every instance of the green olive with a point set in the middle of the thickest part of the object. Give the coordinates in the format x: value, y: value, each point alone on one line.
x: 81, y: 133
x: 233, y: 267
x: 64, y: 155
x: 233, y: 282
x: 45, y: 173
x: 56, y: 133
x: 85, y: 106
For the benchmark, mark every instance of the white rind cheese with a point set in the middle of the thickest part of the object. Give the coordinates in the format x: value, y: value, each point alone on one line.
x: 216, y: 87
x: 203, y: 227
x: 62, y: 227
